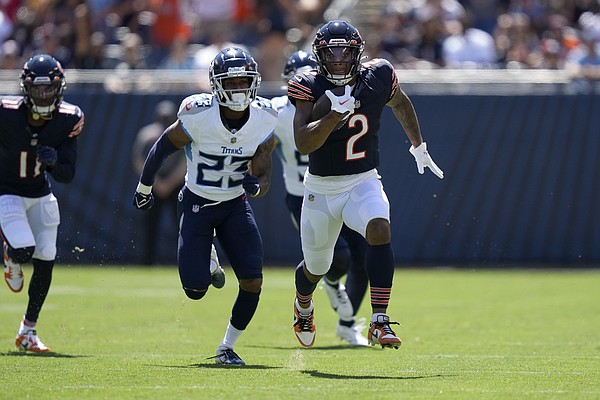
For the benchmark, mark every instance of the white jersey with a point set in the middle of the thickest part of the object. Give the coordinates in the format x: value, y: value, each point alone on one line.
x: 218, y: 158
x: 294, y: 164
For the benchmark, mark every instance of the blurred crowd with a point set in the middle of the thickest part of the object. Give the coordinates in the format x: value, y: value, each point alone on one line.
x: 186, y: 34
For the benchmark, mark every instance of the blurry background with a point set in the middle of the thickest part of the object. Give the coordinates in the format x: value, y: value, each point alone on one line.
x: 507, y: 93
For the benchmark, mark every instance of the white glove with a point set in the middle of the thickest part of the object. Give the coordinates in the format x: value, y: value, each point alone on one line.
x: 342, y: 104
x: 423, y: 160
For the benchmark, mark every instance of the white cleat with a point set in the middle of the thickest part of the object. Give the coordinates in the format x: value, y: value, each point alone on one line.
x: 304, y: 326
x: 217, y: 274
x: 13, y: 272
x: 28, y: 340
x: 338, y: 298
x: 353, y: 334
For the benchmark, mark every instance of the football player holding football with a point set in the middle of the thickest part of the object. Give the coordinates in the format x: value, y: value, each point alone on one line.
x: 349, y: 250
x: 342, y: 185
x: 38, y: 137
x: 228, y: 139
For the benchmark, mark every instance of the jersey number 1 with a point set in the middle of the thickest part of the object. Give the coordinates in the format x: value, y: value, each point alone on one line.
x: 23, y: 166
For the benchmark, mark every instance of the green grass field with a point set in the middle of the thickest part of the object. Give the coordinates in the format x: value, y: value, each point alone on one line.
x: 130, y: 333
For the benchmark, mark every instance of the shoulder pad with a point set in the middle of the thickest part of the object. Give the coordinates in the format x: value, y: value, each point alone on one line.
x: 78, y: 127
x: 12, y: 102
x: 264, y: 104
x: 279, y: 102
x: 378, y: 63
x: 195, y: 103
x: 68, y: 108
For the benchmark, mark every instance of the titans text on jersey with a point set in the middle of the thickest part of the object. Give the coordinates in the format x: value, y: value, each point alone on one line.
x: 218, y: 157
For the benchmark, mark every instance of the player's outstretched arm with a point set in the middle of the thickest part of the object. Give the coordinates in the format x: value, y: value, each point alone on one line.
x: 405, y: 113
x: 261, y: 167
x: 172, y: 139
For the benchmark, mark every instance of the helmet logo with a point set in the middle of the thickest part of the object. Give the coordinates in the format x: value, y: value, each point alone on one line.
x: 234, y: 71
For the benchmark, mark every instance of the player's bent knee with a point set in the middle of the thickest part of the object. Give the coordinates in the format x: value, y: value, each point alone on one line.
x: 46, y: 253
x: 251, y: 285
x: 378, y: 232
x: 21, y: 255
x: 194, y: 294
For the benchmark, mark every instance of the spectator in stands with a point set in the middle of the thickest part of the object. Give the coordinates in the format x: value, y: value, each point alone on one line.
x: 9, y: 55
x: 468, y: 47
x: 166, y: 185
x: 178, y: 57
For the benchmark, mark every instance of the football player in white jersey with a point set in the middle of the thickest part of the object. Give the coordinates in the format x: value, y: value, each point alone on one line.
x: 350, y: 247
x: 228, y: 139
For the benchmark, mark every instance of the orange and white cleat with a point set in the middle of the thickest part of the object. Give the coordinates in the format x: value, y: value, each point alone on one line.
x: 304, y: 326
x: 13, y: 272
x: 28, y: 340
x: 380, y: 333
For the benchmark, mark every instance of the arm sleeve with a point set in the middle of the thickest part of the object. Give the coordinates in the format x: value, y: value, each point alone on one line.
x: 159, y: 151
x: 64, y: 170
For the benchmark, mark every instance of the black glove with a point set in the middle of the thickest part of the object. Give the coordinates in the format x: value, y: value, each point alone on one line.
x: 143, y: 201
x: 47, y: 155
x: 251, y: 186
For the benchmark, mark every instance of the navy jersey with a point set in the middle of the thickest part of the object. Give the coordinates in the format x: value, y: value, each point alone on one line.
x: 20, y: 172
x: 353, y: 148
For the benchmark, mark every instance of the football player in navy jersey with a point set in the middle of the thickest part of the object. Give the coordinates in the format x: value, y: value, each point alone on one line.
x: 342, y: 185
x: 38, y: 137
x: 227, y: 137
x: 349, y: 251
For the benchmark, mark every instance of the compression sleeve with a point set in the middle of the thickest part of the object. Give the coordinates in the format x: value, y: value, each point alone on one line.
x: 159, y: 151
x: 64, y: 170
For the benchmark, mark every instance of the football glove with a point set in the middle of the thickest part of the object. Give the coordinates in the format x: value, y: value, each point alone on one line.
x: 47, y: 156
x: 342, y: 104
x: 143, y: 199
x: 423, y: 160
x: 251, y: 185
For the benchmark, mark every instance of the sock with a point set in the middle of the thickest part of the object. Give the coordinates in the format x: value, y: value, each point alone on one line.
x: 244, y: 308
x: 304, y: 287
x: 346, y: 323
x: 38, y: 288
x: 376, y: 315
x: 26, y: 326
x: 232, y: 334
x: 302, y: 310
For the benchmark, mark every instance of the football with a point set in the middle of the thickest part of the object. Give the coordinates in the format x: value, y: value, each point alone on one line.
x: 323, y: 105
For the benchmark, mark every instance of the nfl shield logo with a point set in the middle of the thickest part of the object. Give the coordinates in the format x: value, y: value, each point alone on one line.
x: 195, y: 208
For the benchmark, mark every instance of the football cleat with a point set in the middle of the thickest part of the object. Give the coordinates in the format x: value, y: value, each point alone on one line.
x: 338, y: 298
x: 381, y: 333
x: 28, y: 340
x: 304, y: 327
x: 217, y: 274
x: 13, y: 272
x: 352, y: 334
x: 227, y: 357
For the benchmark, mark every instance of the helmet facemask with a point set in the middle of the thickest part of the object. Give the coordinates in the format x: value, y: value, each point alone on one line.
x: 42, y: 95
x: 336, y: 43
x: 42, y: 85
x: 237, y: 99
x: 339, y: 64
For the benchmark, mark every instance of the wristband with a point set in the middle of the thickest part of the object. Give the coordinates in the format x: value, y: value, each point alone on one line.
x: 143, y: 189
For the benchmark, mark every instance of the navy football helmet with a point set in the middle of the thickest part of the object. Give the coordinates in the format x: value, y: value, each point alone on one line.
x: 298, y: 62
x: 233, y: 62
x: 42, y: 84
x: 338, y: 48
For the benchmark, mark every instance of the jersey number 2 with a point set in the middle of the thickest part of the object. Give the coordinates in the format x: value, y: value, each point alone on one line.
x: 353, y: 121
